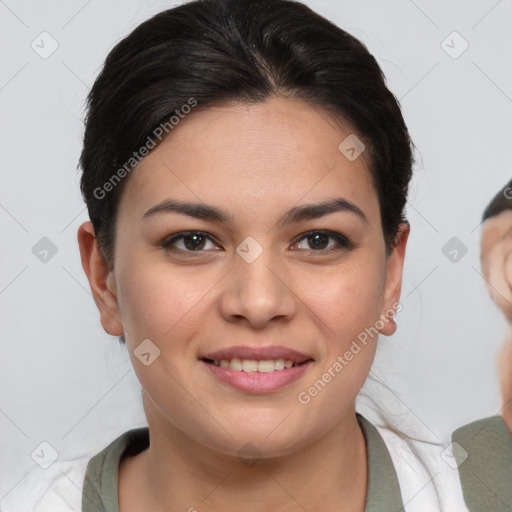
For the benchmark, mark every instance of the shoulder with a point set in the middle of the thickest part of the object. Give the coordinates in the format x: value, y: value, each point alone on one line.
x: 483, y: 450
x: 486, y: 432
x: 56, y: 489
x: 101, y: 478
x: 61, y: 487
x: 426, y: 472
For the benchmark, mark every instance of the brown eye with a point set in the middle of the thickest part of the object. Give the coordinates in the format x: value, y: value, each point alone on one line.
x: 319, y: 241
x: 190, y: 241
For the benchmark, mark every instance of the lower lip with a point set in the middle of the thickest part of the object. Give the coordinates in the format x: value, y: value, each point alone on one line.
x: 259, y: 382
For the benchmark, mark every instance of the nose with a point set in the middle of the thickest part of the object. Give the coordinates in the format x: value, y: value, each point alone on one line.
x: 258, y: 292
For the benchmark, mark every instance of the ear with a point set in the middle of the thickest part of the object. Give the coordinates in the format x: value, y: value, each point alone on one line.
x: 393, y: 287
x: 101, y: 280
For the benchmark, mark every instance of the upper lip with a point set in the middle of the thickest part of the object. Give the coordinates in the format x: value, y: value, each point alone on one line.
x: 258, y: 353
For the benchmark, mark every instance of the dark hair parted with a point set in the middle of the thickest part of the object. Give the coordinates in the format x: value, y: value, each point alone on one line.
x: 500, y: 202
x: 221, y: 51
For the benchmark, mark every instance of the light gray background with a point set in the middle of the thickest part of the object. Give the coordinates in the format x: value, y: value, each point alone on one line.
x: 66, y: 382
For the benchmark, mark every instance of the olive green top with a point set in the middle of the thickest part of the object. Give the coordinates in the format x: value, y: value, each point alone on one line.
x: 100, y: 483
x: 484, y: 459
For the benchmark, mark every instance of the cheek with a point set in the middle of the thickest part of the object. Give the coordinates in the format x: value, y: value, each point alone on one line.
x: 347, y: 299
x: 156, y: 302
x: 345, y: 307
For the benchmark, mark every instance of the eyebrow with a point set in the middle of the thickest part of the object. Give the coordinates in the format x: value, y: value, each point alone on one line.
x: 296, y: 214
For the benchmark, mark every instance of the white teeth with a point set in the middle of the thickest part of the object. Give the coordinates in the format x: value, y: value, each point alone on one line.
x: 249, y: 365
x: 266, y: 366
x: 236, y: 364
x: 279, y: 364
x: 252, y: 365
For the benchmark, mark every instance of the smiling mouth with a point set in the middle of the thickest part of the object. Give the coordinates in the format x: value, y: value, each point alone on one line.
x: 256, y: 365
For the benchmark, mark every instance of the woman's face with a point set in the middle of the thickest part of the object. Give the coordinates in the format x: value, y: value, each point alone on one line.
x: 496, y: 259
x: 258, y: 277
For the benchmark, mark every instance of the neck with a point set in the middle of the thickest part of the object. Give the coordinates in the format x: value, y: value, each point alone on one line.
x: 328, y: 473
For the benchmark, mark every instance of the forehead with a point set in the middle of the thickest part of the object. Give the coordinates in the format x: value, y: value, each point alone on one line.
x: 280, y: 150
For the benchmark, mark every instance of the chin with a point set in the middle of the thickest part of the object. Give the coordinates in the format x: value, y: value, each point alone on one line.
x: 266, y: 443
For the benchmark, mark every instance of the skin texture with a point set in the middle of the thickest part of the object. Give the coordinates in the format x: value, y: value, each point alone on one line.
x: 255, y: 162
x: 496, y: 259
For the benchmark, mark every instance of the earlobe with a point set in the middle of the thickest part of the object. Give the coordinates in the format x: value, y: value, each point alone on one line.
x: 101, y: 280
x: 394, y: 269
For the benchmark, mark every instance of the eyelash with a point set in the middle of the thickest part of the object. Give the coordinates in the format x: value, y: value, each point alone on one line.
x: 343, y: 242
